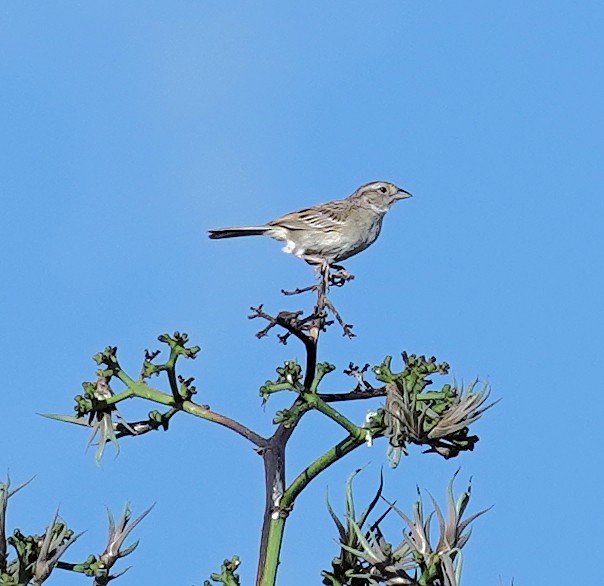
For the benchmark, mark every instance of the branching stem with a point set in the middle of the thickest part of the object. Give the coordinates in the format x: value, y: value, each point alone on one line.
x: 317, y: 403
x: 319, y: 465
x: 144, y: 391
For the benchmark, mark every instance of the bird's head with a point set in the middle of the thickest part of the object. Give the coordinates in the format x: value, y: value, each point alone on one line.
x: 380, y: 195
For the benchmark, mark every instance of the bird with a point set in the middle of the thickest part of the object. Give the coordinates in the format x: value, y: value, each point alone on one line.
x: 328, y: 233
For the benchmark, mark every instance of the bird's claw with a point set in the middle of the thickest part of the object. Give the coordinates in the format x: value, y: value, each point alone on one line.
x: 339, y: 277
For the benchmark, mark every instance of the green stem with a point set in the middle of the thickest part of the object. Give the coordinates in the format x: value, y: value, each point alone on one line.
x: 322, y: 463
x: 199, y: 411
x: 270, y: 560
x: 268, y: 389
x: 144, y: 391
x: 171, y: 370
x: 119, y: 373
x: 320, y: 405
x: 273, y: 551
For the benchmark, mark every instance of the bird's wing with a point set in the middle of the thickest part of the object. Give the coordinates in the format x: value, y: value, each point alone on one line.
x: 322, y: 217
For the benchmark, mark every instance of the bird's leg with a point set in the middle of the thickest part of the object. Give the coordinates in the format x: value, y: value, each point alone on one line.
x: 328, y: 275
x: 320, y: 266
x: 323, y: 302
x: 322, y: 299
x: 318, y: 262
x: 325, y: 272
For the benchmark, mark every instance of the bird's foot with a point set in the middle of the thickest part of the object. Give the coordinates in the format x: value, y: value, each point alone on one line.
x: 339, y: 276
x: 316, y: 321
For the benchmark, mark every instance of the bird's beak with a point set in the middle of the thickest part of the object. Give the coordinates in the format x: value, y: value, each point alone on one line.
x: 402, y: 194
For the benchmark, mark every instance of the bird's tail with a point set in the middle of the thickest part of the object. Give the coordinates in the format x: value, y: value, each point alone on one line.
x: 237, y: 231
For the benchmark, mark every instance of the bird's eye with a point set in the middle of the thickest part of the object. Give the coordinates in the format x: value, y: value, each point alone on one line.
x: 383, y: 189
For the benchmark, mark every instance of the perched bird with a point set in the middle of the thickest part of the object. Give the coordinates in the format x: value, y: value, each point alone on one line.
x: 331, y: 232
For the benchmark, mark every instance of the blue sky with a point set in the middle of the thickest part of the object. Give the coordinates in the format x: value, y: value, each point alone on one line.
x: 129, y: 129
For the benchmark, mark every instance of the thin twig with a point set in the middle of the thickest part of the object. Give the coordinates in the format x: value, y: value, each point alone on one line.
x: 316, y: 322
x: 300, y: 290
x: 355, y: 395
